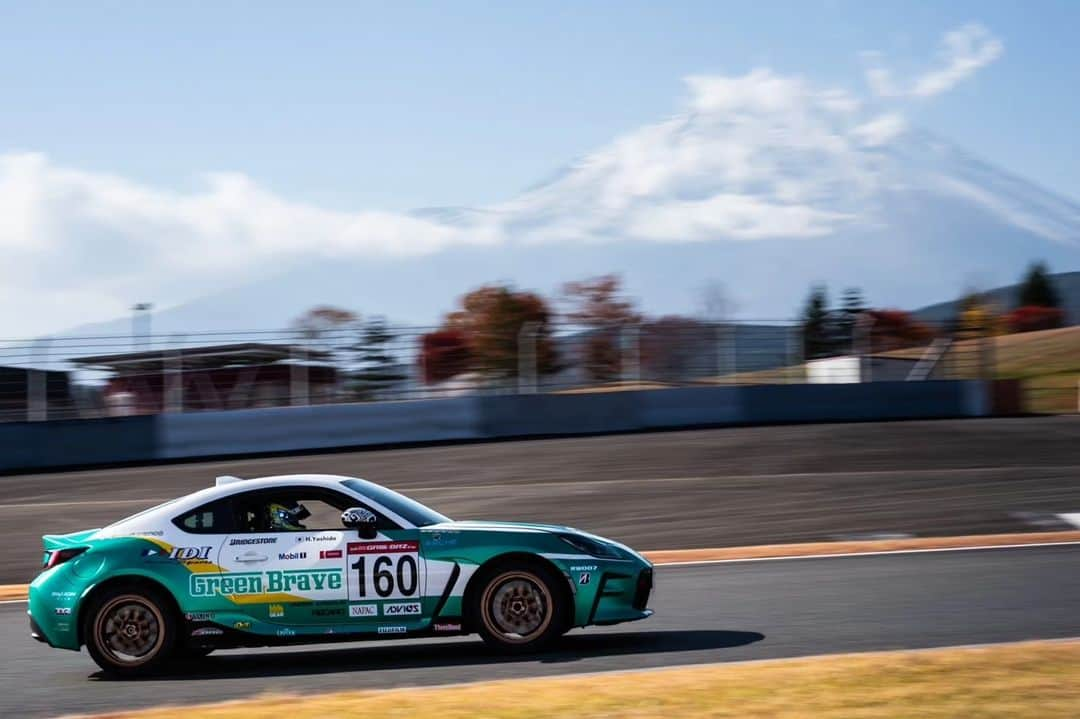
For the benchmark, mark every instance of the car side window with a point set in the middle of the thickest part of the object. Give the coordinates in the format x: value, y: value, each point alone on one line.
x: 212, y: 518
x: 295, y: 509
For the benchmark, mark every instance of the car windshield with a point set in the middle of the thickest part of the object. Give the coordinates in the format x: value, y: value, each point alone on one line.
x: 408, y: 509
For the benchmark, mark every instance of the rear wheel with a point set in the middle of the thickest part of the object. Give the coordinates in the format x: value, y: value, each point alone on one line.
x: 130, y: 631
x: 519, y: 608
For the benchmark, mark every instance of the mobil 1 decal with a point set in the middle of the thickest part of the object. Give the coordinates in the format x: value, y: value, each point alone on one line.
x: 383, y: 570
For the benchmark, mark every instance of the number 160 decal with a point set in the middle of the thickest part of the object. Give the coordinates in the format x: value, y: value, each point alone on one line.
x: 383, y: 570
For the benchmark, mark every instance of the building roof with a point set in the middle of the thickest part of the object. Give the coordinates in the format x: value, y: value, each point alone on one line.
x: 206, y: 357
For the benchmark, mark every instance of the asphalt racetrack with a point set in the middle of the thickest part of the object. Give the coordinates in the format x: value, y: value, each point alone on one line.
x: 668, y: 490
x: 655, y: 491
x: 708, y: 613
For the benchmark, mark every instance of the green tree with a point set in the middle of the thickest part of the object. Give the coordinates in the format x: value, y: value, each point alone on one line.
x: 1037, y: 289
x: 817, y: 324
x: 377, y: 368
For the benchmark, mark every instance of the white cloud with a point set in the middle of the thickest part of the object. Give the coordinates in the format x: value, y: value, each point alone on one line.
x: 965, y: 51
x: 881, y: 130
x: 746, y: 158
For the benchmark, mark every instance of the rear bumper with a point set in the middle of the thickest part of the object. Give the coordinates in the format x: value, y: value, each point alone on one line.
x: 36, y: 631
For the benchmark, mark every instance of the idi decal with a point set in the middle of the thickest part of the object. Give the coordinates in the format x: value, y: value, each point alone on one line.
x: 186, y: 554
x: 299, y: 580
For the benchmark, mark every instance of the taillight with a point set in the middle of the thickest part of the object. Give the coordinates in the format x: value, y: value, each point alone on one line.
x: 59, y: 556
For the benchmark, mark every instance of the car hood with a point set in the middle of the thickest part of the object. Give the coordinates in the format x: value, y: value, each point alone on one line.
x: 482, y: 525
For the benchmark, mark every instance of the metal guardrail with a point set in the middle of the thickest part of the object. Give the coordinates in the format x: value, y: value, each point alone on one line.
x: 102, y: 376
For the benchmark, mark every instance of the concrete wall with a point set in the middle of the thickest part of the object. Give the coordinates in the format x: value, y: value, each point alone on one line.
x: 257, y: 431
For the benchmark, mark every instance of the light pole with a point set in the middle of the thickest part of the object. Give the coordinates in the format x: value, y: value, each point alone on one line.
x: 140, y: 323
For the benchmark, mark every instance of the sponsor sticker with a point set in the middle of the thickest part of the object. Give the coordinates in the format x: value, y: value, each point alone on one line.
x: 385, y: 629
x: 330, y: 554
x: 286, y: 632
x: 242, y: 625
x: 446, y: 627
x: 199, y: 616
x: 298, y: 580
x: 401, y: 609
x: 276, y: 610
x: 363, y: 610
x: 63, y: 611
x: 190, y: 554
x: 328, y: 612
x: 583, y: 578
x: 442, y: 539
x: 290, y: 556
x: 356, y: 548
x: 63, y: 595
x: 207, y: 632
x: 243, y: 542
x: 318, y: 538
x: 584, y: 568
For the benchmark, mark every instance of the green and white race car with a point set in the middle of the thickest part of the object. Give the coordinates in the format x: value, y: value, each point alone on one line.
x: 301, y: 559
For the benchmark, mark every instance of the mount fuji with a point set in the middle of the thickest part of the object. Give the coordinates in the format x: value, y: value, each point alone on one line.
x: 761, y: 182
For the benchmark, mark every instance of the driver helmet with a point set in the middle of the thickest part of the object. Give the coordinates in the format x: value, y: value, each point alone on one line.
x: 285, y: 517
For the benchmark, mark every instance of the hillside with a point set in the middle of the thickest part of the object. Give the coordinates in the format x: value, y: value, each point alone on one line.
x: 1005, y: 298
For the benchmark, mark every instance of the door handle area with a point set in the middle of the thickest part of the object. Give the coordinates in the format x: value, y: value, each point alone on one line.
x: 252, y: 557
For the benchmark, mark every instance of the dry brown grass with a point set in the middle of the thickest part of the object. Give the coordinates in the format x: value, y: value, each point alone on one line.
x: 1020, y: 681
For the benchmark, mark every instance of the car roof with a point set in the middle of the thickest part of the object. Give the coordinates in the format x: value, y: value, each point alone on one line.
x: 166, y: 511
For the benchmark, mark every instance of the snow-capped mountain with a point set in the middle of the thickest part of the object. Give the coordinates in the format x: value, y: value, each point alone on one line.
x: 762, y: 183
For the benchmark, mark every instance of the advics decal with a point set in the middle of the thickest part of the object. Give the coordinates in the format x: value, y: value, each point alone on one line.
x: 397, y: 610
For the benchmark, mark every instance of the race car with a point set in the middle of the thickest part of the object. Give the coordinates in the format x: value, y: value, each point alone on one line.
x: 301, y: 559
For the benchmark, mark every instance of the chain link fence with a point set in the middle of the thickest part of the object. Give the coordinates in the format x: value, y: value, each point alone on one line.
x: 108, y: 376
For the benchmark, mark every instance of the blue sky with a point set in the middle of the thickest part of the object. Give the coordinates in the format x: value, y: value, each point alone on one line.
x: 398, y: 105
x: 168, y: 151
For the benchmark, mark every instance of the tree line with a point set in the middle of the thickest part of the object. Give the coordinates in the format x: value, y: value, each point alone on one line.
x: 854, y: 328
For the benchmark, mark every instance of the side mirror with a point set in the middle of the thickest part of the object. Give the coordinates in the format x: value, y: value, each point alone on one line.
x: 362, y: 520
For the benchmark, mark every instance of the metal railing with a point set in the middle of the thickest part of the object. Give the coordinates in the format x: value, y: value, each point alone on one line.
x: 101, y: 376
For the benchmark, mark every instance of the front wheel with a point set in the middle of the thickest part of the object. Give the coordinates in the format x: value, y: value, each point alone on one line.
x: 129, y: 631
x: 519, y: 607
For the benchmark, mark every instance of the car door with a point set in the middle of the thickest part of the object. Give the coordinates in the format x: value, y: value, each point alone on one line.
x: 290, y: 576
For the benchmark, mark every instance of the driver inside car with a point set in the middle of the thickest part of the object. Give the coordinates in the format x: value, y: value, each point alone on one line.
x: 284, y: 518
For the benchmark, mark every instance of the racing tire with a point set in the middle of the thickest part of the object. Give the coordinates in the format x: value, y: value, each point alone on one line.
x: 518, y: 607
x: 130, y: 631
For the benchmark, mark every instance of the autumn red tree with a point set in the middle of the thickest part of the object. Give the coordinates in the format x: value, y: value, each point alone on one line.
x: 444, y: 353
x: 492, y: 319
x: 1033, y: 318
x: 896, y: 329
x: 597, y: 304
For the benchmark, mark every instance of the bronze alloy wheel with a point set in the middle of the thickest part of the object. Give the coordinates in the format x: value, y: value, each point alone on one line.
x: 129, y: 630
x: 516, y: 607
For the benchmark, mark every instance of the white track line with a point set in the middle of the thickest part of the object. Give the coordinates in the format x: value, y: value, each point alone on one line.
x: 879, y: 553
x: 704, y: 562
x: 1072, y: 518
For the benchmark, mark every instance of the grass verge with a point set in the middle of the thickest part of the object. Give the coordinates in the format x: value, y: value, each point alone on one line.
x: 1020, y: 681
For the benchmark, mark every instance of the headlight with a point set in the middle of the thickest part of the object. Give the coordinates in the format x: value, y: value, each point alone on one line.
x: 588, y: 545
